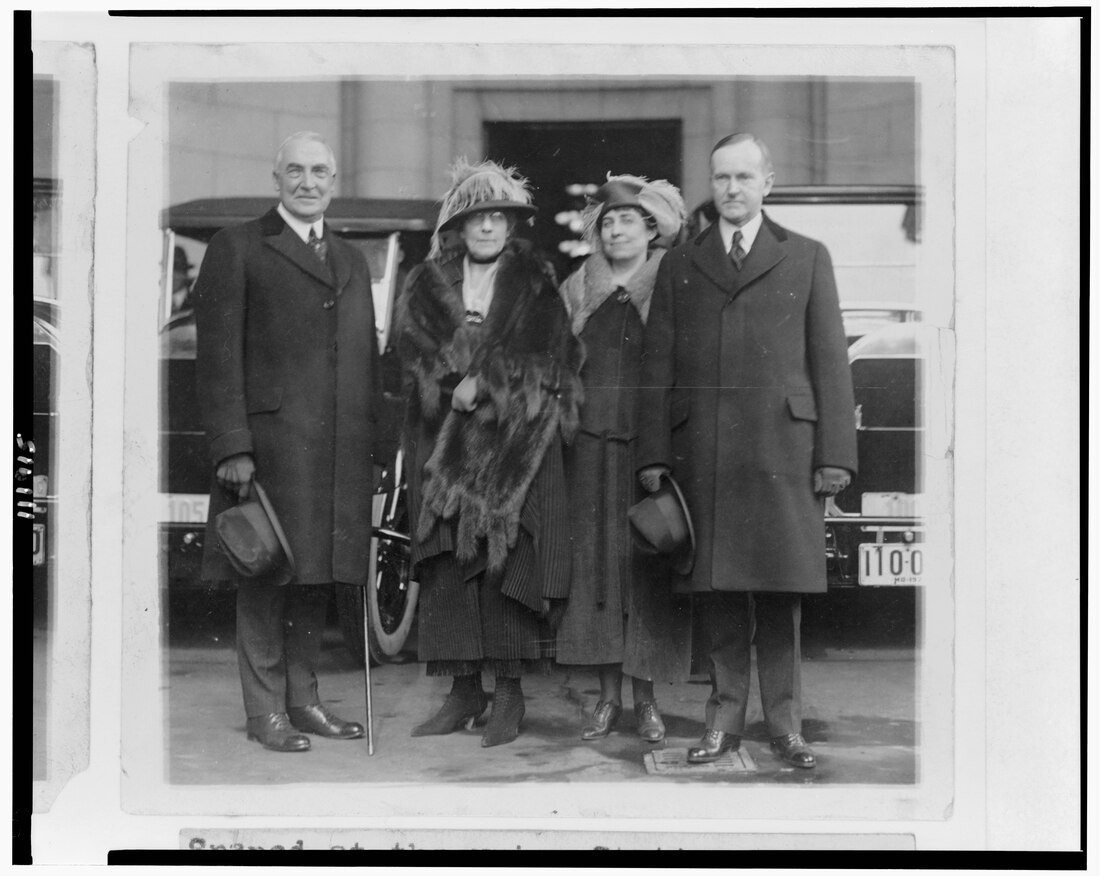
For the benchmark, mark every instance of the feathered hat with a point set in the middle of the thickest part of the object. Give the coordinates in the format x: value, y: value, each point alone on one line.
x: 659, y: 199
x: 475, y: 187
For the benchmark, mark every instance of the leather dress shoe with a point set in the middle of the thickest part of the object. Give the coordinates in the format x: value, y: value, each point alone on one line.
x: 274, y: 733
x: 794, y: 750
x: 650, y: 726
x: 317, y: 719
x: 712, y: 746
x: 603, y: 719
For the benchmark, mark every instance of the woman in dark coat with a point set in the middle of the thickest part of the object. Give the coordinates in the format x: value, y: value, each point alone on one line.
x: 621, y: 616
x: 486, y: 338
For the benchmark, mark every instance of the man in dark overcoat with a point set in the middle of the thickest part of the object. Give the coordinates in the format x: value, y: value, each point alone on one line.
x: 748, y: 401
x: 287, y: 369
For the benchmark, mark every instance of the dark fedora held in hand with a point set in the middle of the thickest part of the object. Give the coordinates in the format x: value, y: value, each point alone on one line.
x: 253, y: 541
x: 661, y: 524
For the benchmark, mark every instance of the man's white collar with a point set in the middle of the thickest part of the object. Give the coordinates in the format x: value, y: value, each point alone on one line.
x: 299, y: 227
x: 748, y: 231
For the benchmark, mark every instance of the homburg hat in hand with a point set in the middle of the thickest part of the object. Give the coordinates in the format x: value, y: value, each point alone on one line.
x: 252, y: 539
x: 661, y: 524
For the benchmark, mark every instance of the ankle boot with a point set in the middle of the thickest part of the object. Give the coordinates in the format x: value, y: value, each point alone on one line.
x: 507, y: 713
x: 464, y: 705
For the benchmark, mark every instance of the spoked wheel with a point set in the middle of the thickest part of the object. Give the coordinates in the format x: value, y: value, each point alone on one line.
x: 391, y: 596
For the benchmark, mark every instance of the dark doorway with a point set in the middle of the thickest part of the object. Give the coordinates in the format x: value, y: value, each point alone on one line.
x: 561, y: 158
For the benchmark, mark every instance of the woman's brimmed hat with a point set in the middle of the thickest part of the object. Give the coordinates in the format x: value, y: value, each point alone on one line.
x: 659, y: 199
x: 477, y: 187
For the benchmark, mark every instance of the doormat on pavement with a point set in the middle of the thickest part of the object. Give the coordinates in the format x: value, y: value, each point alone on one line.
x: 673, y: 762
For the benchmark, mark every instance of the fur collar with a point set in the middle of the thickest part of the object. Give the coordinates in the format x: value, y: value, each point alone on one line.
x: 439, y: 306
x: 587, y: 289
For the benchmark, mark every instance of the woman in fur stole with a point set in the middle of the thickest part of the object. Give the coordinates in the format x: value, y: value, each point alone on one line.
x: 621, y: 616
x: 486, y: 338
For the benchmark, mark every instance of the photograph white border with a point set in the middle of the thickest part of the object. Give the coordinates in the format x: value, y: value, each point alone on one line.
x: 68, y: 636
x: 983, y: 689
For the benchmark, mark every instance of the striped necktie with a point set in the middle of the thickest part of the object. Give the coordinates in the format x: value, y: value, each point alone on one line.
x: 737, y: 255
x: 319, y: 246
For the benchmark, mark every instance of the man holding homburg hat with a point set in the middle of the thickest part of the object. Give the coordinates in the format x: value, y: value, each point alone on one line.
x: 287, y: 369
x: 747, y: 399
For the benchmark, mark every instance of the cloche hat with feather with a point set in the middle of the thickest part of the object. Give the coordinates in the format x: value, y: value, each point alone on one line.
x: 658, y: 198
x: 476, y: 187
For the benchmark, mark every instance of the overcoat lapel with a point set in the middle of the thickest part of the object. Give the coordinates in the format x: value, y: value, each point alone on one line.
x: 709, y: 257
x: 339, y: 261
x: 768, y: 250
x: 279, y: 236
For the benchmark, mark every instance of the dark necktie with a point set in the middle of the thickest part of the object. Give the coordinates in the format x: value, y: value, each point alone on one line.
x: 319, y: 246
x: 737, y: 255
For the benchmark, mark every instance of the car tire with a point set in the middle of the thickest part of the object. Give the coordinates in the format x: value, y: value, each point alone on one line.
x: 391, y: 597
x: 391, y: 614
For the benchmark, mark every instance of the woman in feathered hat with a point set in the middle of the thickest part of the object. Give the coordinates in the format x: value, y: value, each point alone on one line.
x: 486, y: 338
x: 621, y: 617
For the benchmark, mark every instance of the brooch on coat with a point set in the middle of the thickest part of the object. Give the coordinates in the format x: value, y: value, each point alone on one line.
x: 474, y: 318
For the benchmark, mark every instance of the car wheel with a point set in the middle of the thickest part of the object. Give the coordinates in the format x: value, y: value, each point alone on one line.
x: 391, y: 597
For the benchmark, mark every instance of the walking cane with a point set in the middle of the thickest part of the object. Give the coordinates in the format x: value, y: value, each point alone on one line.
x: 377, y: 509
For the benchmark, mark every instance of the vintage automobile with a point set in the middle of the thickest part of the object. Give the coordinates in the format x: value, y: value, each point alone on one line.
x: 393, y: 235
x: 874, y: 533
x: 875, y: 536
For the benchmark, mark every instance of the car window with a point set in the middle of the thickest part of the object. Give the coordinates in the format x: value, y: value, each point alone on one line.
x: 178, y: 322
x: 375, y: 249
x: 874, y: 247
x: 859, y: 321
x: 177, y: 329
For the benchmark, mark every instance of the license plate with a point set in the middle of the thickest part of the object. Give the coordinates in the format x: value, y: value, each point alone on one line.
x: 39, y: 544
x: 184, y: 508
x: 884, y: 565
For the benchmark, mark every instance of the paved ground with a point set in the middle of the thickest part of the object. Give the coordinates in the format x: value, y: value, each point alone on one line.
x: 859, y: 714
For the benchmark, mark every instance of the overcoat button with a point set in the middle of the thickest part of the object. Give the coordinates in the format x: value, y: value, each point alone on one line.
x: 328, y: 305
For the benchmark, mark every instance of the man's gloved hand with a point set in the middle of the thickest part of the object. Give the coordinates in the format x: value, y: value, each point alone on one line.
x: 235, y: 473
x: 464, y: 398
x: 650, y: 478
x: 829, y: 480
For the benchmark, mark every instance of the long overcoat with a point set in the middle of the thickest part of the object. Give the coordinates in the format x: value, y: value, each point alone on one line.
x: 287, y: 368
x: 746, y: 391
x: 621, y: 609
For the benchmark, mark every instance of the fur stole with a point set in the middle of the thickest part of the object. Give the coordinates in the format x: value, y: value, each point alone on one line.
x: 591, y: 284
x: 526, y: 359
